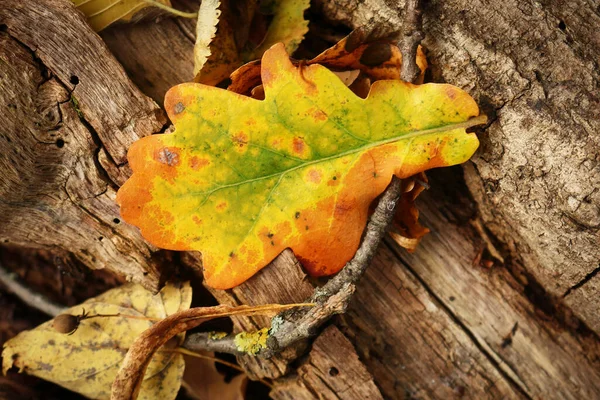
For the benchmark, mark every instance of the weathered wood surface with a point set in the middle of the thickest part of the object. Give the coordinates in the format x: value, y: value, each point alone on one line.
x: 326, y: 374
x: 436, y: 323
x: 534, y: 67
x: 69, y: 113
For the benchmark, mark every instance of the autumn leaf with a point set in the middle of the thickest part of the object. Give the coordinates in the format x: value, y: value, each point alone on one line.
x: 376, y: 59
x: 87, y: 361
x: 202, y: 380
x: 102, y: 13
x: 242, y: 179
x: 288, y: 26
x: 223, y: 32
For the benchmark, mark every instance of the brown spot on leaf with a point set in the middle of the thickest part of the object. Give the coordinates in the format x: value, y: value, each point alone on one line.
x: 222, y: 206
x: 179, y: 108
x: 298, y: 145
x: 167, y: 156
x: 334, y: 181
x: 197, y: 220
x: 342, y: 208
x: 451, y: 92
x: 45, y: 366
x: 318, y: 115
x: 240, y: 139
x: 197, y: 163
x: 314, y: 176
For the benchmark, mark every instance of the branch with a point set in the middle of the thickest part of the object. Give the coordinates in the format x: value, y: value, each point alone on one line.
x: 34, y: 300
x: 412, y: 34
x: 291, y: 327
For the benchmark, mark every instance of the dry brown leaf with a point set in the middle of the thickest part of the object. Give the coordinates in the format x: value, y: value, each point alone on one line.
x: 376, y: 60
x: 202, y: 381
x: 407, y: 231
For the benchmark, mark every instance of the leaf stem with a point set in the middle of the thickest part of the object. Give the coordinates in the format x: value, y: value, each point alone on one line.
x: 172, y: 10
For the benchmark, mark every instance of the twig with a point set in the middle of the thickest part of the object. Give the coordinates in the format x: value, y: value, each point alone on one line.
x: 33, y: 300
x: 412, y: 34
x: 294, y: 326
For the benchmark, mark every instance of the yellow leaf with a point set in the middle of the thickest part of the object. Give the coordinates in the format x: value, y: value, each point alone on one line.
x: 241, y: 179
x: 102, y: 13
x: 206, y: 29
x: 88, y: 360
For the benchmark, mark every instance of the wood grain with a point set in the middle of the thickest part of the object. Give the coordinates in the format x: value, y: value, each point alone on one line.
x: 64, y: 99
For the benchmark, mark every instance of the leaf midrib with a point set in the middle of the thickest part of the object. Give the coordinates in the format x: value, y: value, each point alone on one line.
x: 481, y: 119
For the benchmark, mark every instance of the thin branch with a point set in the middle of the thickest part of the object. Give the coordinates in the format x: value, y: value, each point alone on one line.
x: 294, y: 326
x: 412, y: 35
x: 34, y: 300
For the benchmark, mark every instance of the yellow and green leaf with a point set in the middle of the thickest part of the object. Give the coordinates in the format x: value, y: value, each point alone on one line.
x: 242, y: 179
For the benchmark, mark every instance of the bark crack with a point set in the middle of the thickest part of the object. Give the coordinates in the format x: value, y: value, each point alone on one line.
x: 494, y: 358
x: 585, y: 280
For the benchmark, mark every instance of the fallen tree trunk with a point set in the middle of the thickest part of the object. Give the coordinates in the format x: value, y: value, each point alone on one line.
x: 475, y: 312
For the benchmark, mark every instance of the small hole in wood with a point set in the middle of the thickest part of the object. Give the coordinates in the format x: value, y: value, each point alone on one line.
x: 333, y: 371
x: 562, y: 26
x: 60, y: 143
x: 74, y: 79
x: 452, y: 298
x: 117, y: 221
x: 101, y: 238
x: 3, y: 27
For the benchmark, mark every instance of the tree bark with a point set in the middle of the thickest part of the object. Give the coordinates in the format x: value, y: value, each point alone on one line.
x: 500, y: 300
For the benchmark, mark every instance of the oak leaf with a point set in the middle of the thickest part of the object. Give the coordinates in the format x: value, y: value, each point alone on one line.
x: 88, y: 360
x: 242, y: 179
